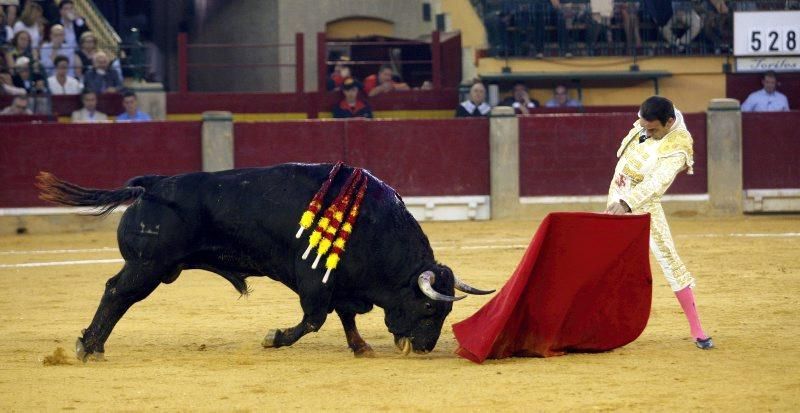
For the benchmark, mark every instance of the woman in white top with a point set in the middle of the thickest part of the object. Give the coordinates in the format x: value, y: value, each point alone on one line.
x: 31, y: 21
x: 60, y: 83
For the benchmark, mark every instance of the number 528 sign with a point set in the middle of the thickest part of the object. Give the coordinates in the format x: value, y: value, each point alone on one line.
x: 766, y: 33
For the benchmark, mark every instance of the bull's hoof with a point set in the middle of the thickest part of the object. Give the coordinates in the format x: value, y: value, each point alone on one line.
x: 269, y: 339
x: 84, y: 355
x: 80, y: 350
x: 364, y: 352
x: 97, y: 357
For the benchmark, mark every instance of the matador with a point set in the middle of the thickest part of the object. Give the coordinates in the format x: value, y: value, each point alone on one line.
x: 652, y: 154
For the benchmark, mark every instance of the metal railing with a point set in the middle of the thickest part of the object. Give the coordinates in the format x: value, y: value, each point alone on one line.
x: 107, y: 37
x: 534, y: 28
x: 185, y: 63
x: 389, y: 52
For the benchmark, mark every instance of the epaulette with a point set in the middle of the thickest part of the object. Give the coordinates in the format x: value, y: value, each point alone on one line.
x: 678, y: 142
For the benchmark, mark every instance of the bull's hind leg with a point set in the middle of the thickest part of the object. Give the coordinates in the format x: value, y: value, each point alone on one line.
x: 357, y: 344
x: 133, y: 283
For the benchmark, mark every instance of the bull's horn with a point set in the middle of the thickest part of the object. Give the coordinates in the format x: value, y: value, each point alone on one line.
x: 462, y: 286
x: 425, y: 280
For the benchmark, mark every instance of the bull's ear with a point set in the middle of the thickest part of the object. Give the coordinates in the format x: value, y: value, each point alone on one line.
x: 425, y: 281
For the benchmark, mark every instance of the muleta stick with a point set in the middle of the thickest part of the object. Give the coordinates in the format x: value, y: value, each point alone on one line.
x: 344, y: 232
x: 307, y: 219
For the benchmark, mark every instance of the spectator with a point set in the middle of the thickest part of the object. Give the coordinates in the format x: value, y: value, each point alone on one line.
x: 7, y: 84
x: 561, y: 99
x: 659, y: 10
x: 101, y: 79
x: 767, y: 99
x: 351, y: 106
x: 598, y: 21
x: 6, y: 32
x: 49, y: 9
x: 32, y: 82
x: 476, y: 105
x: 546, y: 13
x: 54, y: 48
x: 31, y: 21
x: 61, y: 83
x: 12, y: 11
x: 520, y: 100
x: 21, y: 46
x: 717, y: 23
x: 630, y: 20
x: 383, y: 82
x: 88, y: 113
x: 341, y: 72
x: 496, y: 18
x: 132, y: 112
x: 426, y: 85
x: 74, y: 25
x: 86, y: 52
x: 19, y: 106
x: 683, y: 27
x: 87, y: 47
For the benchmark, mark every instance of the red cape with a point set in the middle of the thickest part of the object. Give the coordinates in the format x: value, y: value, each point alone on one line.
x: 583, y: 285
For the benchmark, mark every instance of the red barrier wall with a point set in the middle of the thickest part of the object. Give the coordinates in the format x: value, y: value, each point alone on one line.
x: 771, y: 148
x: 575, y: 154
x: 268, y: 143
x: 424, y: 157
x: 416, y: 157
x: 92, y: 155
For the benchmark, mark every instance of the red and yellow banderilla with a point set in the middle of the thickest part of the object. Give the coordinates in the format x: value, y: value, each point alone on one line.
x: 307, y: 219
x: 329, y: 223
x: 344, y: 233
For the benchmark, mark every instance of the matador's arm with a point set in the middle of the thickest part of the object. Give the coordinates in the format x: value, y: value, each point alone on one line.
x: 657, y: 181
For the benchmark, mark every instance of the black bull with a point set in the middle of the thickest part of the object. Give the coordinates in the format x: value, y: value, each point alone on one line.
x: 242, y: 223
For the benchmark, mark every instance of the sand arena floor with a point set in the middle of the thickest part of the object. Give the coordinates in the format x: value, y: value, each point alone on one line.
x: 195, y: 344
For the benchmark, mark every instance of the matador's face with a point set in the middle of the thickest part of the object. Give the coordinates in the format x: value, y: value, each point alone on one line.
x: 655, y: 129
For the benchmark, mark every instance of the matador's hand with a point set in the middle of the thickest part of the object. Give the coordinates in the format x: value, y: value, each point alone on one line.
x: 618, y: 208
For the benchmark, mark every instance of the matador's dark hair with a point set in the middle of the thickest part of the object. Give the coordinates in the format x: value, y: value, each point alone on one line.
x: 657, y: 107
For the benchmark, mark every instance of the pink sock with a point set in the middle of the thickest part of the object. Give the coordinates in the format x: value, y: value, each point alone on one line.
x: 686, y: 298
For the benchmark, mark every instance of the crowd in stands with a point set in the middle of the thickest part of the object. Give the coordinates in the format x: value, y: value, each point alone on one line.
x: 354, y: 92
x: 767, y: 99
x: 47, y: 49
x: 355, y: 95
x: 519, y: 99
x: 614, y: 27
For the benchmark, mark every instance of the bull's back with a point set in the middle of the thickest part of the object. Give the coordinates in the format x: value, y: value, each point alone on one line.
x: 251, y: 216
x: 269, y: 200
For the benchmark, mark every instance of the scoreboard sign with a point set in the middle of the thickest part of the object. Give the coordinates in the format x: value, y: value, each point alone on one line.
x: 766, y: 33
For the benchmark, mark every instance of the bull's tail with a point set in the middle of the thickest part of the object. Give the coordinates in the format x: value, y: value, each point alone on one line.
x: 104, y: 201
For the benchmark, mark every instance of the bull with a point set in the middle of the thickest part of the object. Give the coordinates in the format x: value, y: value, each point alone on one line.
x: 241, y: 223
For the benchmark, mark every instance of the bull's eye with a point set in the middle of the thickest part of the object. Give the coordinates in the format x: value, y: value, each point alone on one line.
x: 428, y: 306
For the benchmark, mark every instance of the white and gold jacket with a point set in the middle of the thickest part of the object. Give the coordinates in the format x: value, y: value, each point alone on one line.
x: 645, y: 170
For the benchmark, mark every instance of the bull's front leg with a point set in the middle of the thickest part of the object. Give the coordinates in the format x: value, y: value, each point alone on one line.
x: 314, y: 299
x: 288, y: 336
x: 357, y: 344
